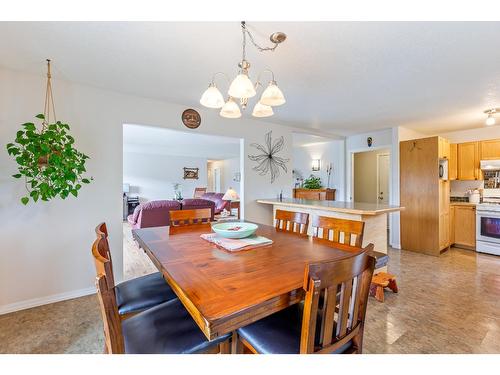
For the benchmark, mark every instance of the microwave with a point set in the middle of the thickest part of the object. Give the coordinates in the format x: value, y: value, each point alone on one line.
x: 443, y: 169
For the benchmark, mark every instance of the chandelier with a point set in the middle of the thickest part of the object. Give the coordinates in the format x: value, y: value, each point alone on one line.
x: 242, y: 88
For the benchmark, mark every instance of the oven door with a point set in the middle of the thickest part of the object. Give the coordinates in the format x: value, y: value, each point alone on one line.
x: 488, y: 226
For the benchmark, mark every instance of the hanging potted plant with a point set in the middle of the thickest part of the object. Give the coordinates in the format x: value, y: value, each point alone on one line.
x: 46, y: 158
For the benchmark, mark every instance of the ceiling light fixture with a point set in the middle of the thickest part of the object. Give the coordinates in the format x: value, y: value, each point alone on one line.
x: 490, y: 120
x: 242, y: 87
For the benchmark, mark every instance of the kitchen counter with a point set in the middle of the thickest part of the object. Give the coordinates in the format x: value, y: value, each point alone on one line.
x: 357, y: 208
x: 463, y: 204
x: 374, y: 216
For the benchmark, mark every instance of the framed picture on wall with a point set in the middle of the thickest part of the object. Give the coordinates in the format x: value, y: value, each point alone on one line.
x: 191, y: 173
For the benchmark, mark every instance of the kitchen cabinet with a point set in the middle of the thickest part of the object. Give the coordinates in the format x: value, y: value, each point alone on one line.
x: 468, y: 161
x: 452, y: 162
x: 490, y: 149
x: 465, y: 226
x: 452, y: 225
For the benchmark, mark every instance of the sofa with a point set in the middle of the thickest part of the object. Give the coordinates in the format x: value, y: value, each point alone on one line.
x: 198, y: 203
x: 220, y: 204
x: 153, y: 214
x: 157, y: 213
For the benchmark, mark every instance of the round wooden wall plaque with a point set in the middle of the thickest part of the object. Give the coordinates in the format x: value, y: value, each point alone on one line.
x: 191, y: 118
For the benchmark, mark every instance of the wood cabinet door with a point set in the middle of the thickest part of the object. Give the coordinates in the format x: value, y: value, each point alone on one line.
x: 452, y: 162
x: 490, y: 149
x: 452, y: 225
x: 465, y: 226
x: 444, y: 230
x: 468, y: 161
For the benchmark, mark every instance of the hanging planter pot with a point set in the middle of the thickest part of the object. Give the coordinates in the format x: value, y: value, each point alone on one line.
x: 47, y: 158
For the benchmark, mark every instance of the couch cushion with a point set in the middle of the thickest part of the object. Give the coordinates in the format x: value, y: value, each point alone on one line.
x: 142, y: 293
x: 166, y: 328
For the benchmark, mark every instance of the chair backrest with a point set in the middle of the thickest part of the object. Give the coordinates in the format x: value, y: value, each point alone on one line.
x: 344, y: 285
x: 102, y: 254
x: 199, y: 191
x: 113, y: 336
x: 343, y: 229
x: 289, y: 221
x: 190, y: 217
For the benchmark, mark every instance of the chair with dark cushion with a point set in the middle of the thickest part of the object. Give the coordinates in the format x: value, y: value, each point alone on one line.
x: 333, y: 326
x: 220, y: 204
x: 153, y: 214
x: 198, y: 203
x: 165, y: 329
x: 132, y: 296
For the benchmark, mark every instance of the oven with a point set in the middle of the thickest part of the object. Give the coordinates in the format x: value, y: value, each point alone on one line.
x: 488, y: 230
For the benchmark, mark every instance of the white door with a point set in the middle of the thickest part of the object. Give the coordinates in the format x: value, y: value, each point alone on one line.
x: 383, y: 178
x: 217, y: 187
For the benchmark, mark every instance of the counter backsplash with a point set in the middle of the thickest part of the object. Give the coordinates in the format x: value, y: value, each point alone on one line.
x: 459, y: 188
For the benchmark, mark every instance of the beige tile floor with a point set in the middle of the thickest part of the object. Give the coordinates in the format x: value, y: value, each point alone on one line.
x: 449, y: 304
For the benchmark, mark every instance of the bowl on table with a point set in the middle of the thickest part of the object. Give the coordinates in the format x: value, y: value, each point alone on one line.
x: 234, y: 229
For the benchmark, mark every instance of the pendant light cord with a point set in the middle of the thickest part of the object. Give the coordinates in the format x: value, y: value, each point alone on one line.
x: 49, y: 100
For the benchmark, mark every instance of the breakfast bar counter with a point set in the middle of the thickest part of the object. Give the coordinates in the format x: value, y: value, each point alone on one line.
x: 374, y: 215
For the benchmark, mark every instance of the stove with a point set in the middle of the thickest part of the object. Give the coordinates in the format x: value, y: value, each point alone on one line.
x: 488, y: 223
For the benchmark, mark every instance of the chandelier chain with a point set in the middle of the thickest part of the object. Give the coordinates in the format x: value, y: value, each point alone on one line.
x: 261, y: 49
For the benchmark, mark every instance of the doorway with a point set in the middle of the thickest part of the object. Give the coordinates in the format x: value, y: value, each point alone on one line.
x: 371, y: 176
x: 383, y: 164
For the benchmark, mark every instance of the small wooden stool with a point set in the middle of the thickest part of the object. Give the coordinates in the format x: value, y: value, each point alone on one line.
x: 380, y: 281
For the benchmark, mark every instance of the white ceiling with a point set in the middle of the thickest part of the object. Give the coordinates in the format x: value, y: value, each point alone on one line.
x: 161, y: 141
x: 338, y: 77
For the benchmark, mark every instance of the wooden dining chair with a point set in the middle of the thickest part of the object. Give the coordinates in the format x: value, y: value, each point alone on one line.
x: 190, y: 217
x: 199, y: 191
x: 343, y: 230
x: 333, y: 323
x: 288, y: 221
x: 164, y: 329
x: 133, y: 295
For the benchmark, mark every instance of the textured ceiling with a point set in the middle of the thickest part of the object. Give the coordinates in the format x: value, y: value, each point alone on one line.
x: 338, y: 77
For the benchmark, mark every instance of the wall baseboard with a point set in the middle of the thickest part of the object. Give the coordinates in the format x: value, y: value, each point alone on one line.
x: 395, y: 245
x: 27, y: 304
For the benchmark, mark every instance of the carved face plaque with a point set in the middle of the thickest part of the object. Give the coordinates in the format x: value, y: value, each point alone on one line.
x: 191, y: 118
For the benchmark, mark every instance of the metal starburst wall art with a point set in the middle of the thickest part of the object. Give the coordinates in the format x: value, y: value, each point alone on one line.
x: 268, y: 161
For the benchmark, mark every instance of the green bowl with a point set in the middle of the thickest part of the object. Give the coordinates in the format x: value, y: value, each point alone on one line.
x: 235, y: 229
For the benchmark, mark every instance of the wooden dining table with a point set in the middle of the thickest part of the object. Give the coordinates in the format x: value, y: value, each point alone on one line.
x: 225, y: 290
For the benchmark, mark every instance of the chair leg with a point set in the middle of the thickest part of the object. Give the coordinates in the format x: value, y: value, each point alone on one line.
x: 236, y: 347
x: 225, y: 347
x: 393, y: 285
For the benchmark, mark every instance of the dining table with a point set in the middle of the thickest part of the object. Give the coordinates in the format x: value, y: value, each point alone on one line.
x: 225, y: 290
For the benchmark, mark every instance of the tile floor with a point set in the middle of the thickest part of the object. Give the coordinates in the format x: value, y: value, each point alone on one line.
x: 449, y: 304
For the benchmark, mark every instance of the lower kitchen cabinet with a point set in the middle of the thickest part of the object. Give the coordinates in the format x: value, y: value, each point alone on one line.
x: 463, y: 226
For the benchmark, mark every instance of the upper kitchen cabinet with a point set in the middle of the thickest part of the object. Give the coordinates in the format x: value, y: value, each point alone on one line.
x: 468, y: 161
x: 452, y: 162
x: 490, y: 150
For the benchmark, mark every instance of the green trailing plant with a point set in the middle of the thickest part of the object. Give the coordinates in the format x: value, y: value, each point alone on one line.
x: 312, y: 183
x: 48, y: 161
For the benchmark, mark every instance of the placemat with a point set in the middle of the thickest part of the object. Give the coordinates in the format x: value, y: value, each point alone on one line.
x: 236, y: 244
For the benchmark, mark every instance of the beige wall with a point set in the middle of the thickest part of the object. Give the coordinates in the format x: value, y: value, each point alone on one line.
x: 365, y: 175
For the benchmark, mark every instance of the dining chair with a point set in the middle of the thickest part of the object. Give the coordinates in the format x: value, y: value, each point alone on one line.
x: 199, y: 191
x: 332, y: 324
x: 190, y: 217
x: 289, y: 221
x: 133, y: 295
x: 343, y: 230
x: 164, y: 329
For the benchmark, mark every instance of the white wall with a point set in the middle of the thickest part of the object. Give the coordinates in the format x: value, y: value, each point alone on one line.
x: 151, y: 176
x: 46, y: 246
x: 327, y: 152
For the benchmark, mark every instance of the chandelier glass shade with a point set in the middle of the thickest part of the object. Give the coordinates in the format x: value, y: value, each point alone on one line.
x: 262, y: 110
x: 212, y: 97
x: 230, y: 109
x: 242, y: 88
x: 272, y: 95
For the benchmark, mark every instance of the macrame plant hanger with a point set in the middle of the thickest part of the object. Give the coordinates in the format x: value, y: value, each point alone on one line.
x: 49, y: 100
